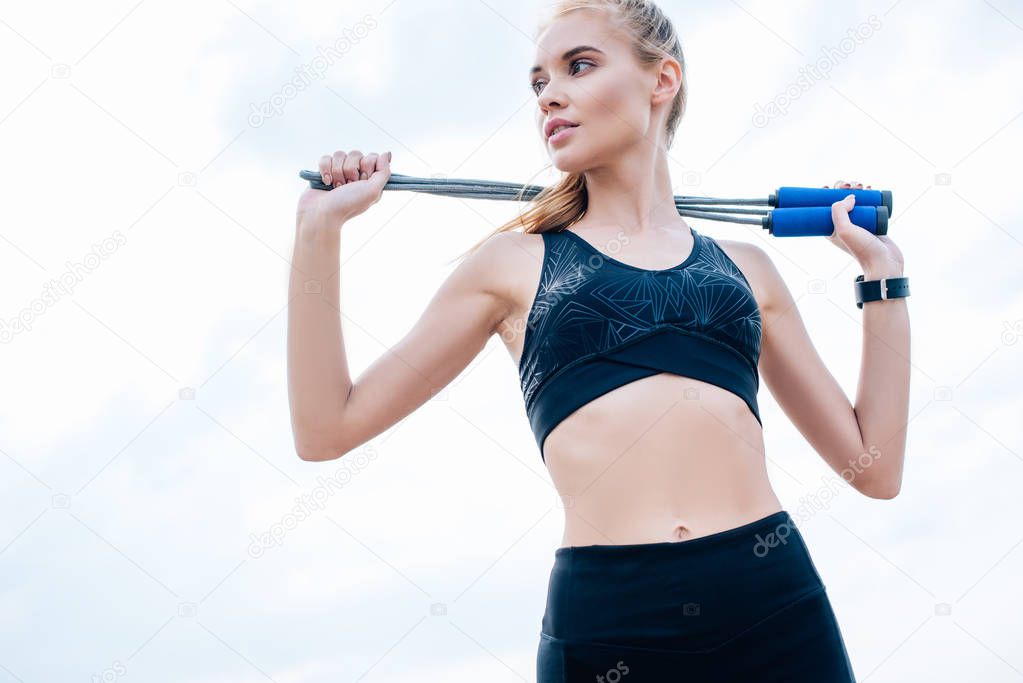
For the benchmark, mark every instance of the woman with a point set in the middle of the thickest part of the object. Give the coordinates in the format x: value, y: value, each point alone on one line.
x: 639, y: 343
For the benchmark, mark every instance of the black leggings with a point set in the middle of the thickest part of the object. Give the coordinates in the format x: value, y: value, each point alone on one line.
x: 744, y: 604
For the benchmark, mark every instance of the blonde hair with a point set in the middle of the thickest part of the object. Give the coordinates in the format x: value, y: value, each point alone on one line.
x: 653, y: 37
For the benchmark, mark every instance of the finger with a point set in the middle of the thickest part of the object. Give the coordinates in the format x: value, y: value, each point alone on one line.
x: 337, y: 168
x: 854, y: 237
x: 382, y: 172
x: 351, y: 165
x: 368, y: 165
x: 384, y: 164
x: 840, y: 212
x: 838, y: 184
x: 324, y: 168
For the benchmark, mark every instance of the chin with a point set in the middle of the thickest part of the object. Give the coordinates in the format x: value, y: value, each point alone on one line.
x: 568, y: 162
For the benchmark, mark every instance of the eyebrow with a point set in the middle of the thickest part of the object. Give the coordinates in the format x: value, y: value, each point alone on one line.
x: 568, y: 55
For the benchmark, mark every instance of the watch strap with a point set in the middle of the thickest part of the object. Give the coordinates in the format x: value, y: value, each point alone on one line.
x: 880, y: 290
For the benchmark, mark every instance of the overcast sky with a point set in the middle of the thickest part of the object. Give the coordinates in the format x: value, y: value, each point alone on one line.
x: 150, y: 153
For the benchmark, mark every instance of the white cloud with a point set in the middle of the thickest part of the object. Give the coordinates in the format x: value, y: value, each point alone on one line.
x: 148, y: 137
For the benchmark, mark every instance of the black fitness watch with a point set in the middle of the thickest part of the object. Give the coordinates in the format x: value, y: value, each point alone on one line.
x: 880, y: 290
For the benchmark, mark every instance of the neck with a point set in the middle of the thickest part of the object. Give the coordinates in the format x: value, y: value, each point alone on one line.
x: 634, y: 194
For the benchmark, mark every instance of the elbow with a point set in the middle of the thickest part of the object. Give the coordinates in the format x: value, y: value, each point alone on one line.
x: 882, y: 481
x: 317, y: 449
x: 310, y: 453
x: 316, y: 438
x: 882, y: 490
x: 318, y: 435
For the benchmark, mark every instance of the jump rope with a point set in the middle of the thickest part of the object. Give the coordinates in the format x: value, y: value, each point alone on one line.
x: 789, y: 212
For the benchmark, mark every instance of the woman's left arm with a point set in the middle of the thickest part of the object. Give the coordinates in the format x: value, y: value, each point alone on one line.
x: 864, y: 443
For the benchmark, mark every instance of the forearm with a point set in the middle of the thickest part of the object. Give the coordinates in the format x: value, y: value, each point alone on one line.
x: 318, y: 378
x: 882, y: 399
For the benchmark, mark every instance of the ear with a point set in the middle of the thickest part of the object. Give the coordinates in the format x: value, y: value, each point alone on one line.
x: 669, y: 80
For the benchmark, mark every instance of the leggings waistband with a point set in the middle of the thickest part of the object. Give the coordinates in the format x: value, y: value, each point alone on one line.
x: 679, y: 594
x: 779, y: 522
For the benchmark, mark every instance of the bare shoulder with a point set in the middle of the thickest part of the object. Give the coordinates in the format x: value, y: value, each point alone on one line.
x: 500, y: 248
x: 503, y: 256
x: 758, y: 268
x: 507, y: 265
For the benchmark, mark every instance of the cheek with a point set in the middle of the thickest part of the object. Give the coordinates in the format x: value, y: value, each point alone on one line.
x: 621, y: 114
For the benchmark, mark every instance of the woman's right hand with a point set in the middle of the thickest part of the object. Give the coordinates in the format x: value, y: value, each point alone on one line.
x: 358, y: 181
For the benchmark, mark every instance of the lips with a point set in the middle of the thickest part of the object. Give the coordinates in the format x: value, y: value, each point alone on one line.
x: 558, y: 130
x: 555, y: 123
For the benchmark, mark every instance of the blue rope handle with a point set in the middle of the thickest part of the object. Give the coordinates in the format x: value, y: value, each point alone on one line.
x: 793, y: 212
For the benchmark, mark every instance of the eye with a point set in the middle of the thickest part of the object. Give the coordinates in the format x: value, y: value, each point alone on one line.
x: 571, y: 64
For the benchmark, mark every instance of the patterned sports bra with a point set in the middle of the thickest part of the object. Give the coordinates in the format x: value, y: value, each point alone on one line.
x: 597, y: 323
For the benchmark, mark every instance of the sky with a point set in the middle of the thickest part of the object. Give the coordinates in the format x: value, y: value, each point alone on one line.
x: 157, y: 523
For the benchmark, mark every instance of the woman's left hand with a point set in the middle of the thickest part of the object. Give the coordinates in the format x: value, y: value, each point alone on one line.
x: 876, y: 254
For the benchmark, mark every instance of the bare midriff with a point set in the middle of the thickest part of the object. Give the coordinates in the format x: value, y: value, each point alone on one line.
x: 663, y: 458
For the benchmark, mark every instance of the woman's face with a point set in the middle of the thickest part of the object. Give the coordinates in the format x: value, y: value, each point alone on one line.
x: 603, y: 89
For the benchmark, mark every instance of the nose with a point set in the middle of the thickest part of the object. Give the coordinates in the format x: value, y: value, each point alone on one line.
x: 551, y: 96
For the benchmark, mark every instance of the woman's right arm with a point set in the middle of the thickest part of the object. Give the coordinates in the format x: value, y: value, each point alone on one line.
x: 330, y: 414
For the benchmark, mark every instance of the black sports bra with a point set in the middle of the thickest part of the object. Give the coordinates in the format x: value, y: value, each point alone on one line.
x: 597, y: 323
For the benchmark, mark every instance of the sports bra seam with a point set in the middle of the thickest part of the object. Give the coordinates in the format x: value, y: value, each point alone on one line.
x: 532, y: 304
x: 692, y: 258
x: 741, y: 274
x: 596, y: 354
